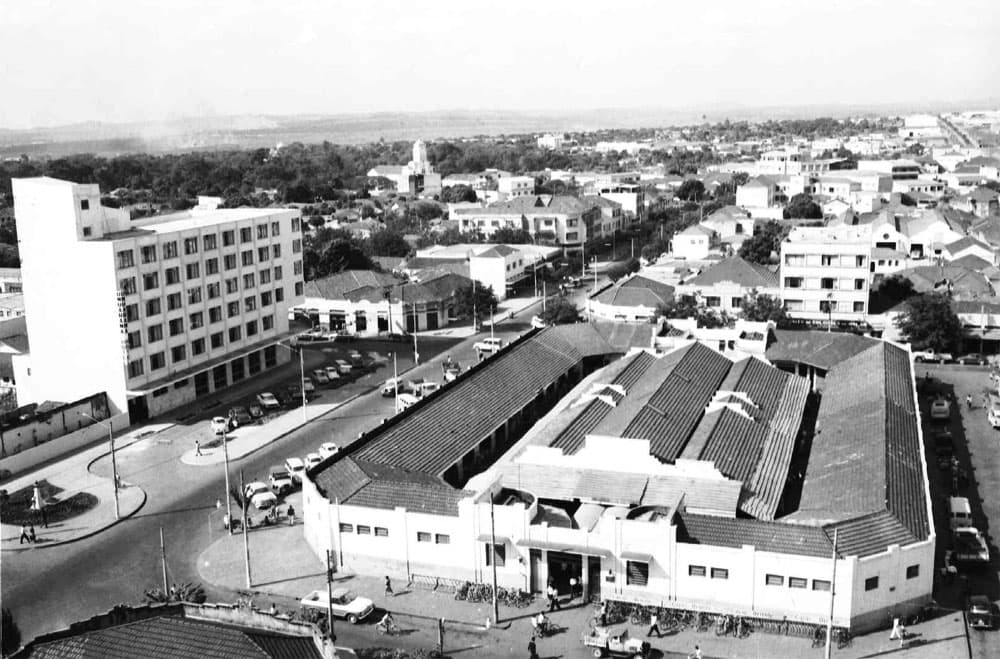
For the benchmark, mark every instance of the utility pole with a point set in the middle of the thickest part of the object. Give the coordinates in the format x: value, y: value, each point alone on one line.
x: 543, y: 296
x: 246, y: 531
x: 473, y: 305
x: 229, y: 496
x: 493, y: 562
x: 329, y: 594
x: 395, y: 379
x: 163, y: 562
x: 595, y: 273
x: 114, y: 461
x: 302, y: 385
x: 833, y: 592
x: 493, y: 313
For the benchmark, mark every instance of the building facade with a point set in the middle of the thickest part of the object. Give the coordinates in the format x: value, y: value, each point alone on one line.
x: 165, y: 309
x: 825, y: 273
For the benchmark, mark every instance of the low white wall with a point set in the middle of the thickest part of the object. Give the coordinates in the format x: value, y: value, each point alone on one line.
x: 60, y: 446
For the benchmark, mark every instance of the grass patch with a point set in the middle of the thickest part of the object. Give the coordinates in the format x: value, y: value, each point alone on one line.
x: 15, y: 507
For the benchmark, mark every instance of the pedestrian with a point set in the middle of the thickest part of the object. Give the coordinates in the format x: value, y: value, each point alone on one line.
x: 532, y: 650
x: 654, y: 626
x: 968, y: 401
x: 274, y: 609
x: 31, y: 534
x: 902, y: 635
x: 197, y: 447
x: 572, y: 588
x: 291, y: 515
x: 604, y: 613
x: 388, y: 587
x: 696, y: 654
x: 24, y: 534
x: 896, y: 630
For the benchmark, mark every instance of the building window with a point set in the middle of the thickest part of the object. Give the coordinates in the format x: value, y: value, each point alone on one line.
x: 173, y: 301
x: 379, y: 531
x: 774, y: 580
x: 423, y: 536
x: 252, y: 328
x: 209, y: 242
x: 296, y: 224
x: 712, y: 301
x: 362, y: 529
x: 636, y: 573
x: 250, y: 303
x: 265, y: 277
x: 150, y: 281
x: 346, y: 528
x: 246, y: 235
x: 499, y: 552
x: 720, y: 573
x: 571, y: 236
x: 737, y: 302
x: 176, y: 326
x: 172, y: 275
x: 793, y: 282
x: 298, y: 288
x: 296, y: 246
x: 261, y: 231
x: 247, y: 257
x: 277, y: 271
x: 859, y: 307
x: 190, y: 246
x: 912, y: 571
x: 442, y: 539
x: 821, y: 584
x: 228, y: 238
x: 234, y: 334
x: 178, y: 354
x: 134, y: 339
x: 265, y: 299
x: 827, y: 259
x: 211, y: 266
x: 232, y: 285
x: 859, y: 284
x: 148, y: 253
x: 248, y: 280
x: 217, y: 340
x: 131, y: 312
x: 859, y: 261
x: 263, y: 254
x: 267, y: 322
x: 797, y: 582
x: 233, y: 309
x: 127, y: 285
x: 170, y: 250
x: 229, y: 261
x: 125, y: 259
x: 135, y: 368
x: 213, y: 291
x: 215, y: 315
x: 795, y: 259
x: 157, y: 361
x: 86, y: 232
x: 275, y: 228
x: 84, y: 204
x: 279, y: 294
x: 871, y: 583
x: 192, y: 270
x: 154, y: 333
x: 197, y: 346
x: 153, y: 307
x: 696, y: 570
x: 194, y: 295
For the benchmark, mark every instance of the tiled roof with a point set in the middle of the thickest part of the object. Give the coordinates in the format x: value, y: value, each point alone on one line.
x: 765, y: 536
x: 497, y: 251
x: 588, y: 485
x: 972, y: 262
x: 598, y: 200
x: 636, y: 291
x: 340, y: 285
x: 961, y: 279
x: 820, y: 349
x: 174, y: 637
x: 737, y: 271
x: 964, y: 243
x: 624, y: 336
x: 697, y: 229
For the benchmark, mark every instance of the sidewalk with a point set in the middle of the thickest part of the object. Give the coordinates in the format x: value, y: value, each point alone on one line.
x: 72, y: 475
x: 514, y: 305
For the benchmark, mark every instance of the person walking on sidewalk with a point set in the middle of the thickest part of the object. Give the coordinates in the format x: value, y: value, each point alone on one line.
x: 696, y: 654
x: 532, y: 649
x: 896, y: 627
x: 31, y: 533
x: 388, y: 587
x: 654, y: 626
x: 572, y: 588
x: 24, y: 535
x: 197, y: 447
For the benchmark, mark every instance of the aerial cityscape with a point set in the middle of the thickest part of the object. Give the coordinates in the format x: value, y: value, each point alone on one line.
x: 402, y: 331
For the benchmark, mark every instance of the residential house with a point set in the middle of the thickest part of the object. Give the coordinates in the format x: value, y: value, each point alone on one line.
x: 611, y: 220
x: 825, y: 273
x: 724, y: 286
x: 732, y: 224
x: 559, y: 220
x: 694, y: 243
x: 632, y: 299
x: 969, y: 246
x: 738, y: 341
x: 757, y: 192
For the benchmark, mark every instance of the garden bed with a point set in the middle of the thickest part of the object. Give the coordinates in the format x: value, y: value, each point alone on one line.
x: 15, y: 507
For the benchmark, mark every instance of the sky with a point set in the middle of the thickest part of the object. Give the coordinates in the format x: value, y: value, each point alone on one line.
x: 69, y: 61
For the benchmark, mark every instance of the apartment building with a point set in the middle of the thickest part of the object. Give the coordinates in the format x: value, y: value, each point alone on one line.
x: 515, y: 186
x: 155, y: 312
x: 824, y: 273
x: 551, y: 220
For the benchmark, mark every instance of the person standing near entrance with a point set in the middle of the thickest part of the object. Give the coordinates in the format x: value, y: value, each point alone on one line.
x: 572, y: 588
x: 654, y: 626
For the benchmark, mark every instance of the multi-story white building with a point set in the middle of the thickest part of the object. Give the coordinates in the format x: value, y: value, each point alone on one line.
x: 155, y: 312
x: 825, y: 271
x: 550, y: 141
x: 511, y: 187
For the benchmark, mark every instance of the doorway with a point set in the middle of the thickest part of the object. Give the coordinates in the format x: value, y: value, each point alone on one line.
x: 563, y: 567
x: 137, y: 409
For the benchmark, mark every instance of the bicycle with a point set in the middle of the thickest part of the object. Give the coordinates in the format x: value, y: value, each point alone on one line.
x: 390, y: 628
x: 844, y: 638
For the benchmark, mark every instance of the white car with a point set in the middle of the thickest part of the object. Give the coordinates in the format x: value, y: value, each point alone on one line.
x: 331, y: 374
x: 491, y: 344
x: 326, y: 449
x: 343, y: 367
x: 308, y: 386
x: 345, y: 604
x: 538, y: 323
x: 267, y: 400
x: 312, y: 460
x: 390, y: 386
x: 941, y: 409
x: 321, y: 376
x: 260, y: 495
x: 280, y: 481
x: 423, y: 388
x: 297, y: 468
x: 407, y: 400
x: 220, y: 424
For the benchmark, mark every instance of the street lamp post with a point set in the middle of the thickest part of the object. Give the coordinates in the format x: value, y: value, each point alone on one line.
x: 302, y: 375
x: 229, y: 495
x: 395, y: 379
x: 114, y: 462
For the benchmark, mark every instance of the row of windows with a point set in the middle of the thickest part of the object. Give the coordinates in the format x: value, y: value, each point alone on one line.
x: 825, y: 306
x: 172, y: 276
x: 828, y: 283
x: 436, y: 538
x: 796, y: 582
x: 154, y: 307
x: 700, y: 571
x: 838, y: 260
x: 362, y: 529
x: 180, y: 353
x: 209, y: 242
x: 175, y: 327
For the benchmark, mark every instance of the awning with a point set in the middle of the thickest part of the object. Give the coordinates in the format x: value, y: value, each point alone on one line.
x: 637, y: 556
x: 500, y: 539
x: 563, y: 547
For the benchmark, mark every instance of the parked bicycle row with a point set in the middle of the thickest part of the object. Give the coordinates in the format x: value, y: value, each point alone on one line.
x: 481, y: 592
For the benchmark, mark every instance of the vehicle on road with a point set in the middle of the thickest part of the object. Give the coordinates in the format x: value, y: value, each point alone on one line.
x: 940, y: 409
x: 320, y: 376
x: 944, y: 448
x: 538, y: 323
x: 390, y: 386
x: 332, y: 375
x: 222, y: 424
x: 296, y: 468
x: 605, y: 644
x: 976, y: 358
x: 240, y: 415
x: 342, y: 366
x: 490, y: 344
x: 980, y: 614
x: 407, y: 400
x: 280, y: 480
x: 451, y: 374
x: 308, y: 386
x: 970, y: 546
x: 293, y: 395
x: 326, y: 449
x: 259, y: 495
x: 356, y: 358
x: 256, y: 411
x: 377, y: 359
x: 312, y: 460
x: 267, y: 400
x: 422, y: 388
x: 959, y: 513
x: 344, y: 603
x: 931, y: 356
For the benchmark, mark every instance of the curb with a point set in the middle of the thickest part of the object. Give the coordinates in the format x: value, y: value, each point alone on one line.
x: 86, y: 535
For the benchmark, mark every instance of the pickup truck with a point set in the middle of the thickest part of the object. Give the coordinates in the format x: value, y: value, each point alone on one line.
x: 605, y: 644
x: 492, y: 344
x: 931, y: 356
x: 345, y: 604
x: 970, y: 546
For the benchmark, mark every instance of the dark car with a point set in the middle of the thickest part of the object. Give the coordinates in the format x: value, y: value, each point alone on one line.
x: 980, y: 612
x: 944, y: 447
x: 973, y: 358
x: 241, y: 415
x: 293, y: 395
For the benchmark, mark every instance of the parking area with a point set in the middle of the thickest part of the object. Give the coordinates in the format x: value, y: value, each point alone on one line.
x: 973, y: 473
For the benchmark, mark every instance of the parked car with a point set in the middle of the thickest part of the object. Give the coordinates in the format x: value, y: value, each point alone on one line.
x: 422, y: 388
x: 320, y: 376
x: 538, y: 323
x: 332, y: 375
x: 222, y: 424
x: 489, y: 344
x: 356, y: 359
x: 256, y: 411
x: 452, y: 373
x: 308, y: 386
x: 293, y: 395
x: 312, y: 460
x: 264, y: 501
x: 326, y: 449
x: 254, y: 493
x: 407, y: 400
x: 390, y: 386
x: 940, y: 409
x: 342, y: 366
x: 296, y: 468
x: 944, y: 448
x: 973, y: 358
x: 240, y: 415
x: 980, y: 612
x: 931, y: 356
x: 268, y: 401
x: 344, y: 604
x: 280, y: 480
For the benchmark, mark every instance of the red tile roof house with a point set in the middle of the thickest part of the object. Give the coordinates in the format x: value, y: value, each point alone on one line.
x: 681, y: 478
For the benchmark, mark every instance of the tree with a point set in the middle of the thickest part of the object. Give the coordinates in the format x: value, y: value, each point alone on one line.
x: 929, y: 322
x: 474, y: 296
x: 762, y: 308
x: 765, y: 242
x: 388, y: 243
x: 652, y: 250
x: 618, y: 270
x: 691, y: 190
x: 889, y: 292
x: 511, y: 236
x: 458, y: 193
x: 186, y: 592
x: 802, y: 206
x: 560, y: 311
x: 316, y: 221
x: 10, y: 633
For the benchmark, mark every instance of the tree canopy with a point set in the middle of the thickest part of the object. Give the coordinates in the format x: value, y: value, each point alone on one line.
x: 691, y: 190
x: 475, y: 296
x: 762, y: 308
x: 688, y: 307
x: 802, y: 206
x: 930, y: 322
x: 764, y: 246
x: 560, y: 311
